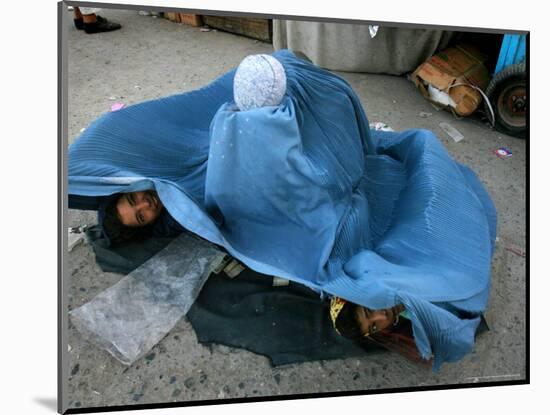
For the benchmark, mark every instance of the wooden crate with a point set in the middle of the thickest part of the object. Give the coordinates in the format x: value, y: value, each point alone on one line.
x: 260, y: 29
x: 172, y: 16
x: 190, y: 19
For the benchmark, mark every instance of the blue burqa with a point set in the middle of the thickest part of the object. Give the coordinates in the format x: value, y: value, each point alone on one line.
x: 305, y: 191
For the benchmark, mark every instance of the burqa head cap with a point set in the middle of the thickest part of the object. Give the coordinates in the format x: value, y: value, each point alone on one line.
x: 260, y: 81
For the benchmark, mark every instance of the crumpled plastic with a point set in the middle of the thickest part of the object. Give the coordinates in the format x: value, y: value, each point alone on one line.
x: 133, y: 315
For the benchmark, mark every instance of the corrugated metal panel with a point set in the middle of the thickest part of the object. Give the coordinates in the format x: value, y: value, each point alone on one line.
x: 512, y: 51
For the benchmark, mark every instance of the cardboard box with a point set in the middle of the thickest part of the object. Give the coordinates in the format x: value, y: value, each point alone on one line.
x: 452, y: 72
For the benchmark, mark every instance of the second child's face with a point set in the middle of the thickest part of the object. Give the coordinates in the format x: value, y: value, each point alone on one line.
x: 372, y: 321
x: 138, y: 208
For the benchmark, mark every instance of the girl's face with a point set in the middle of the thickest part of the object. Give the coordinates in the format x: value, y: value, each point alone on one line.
x: 138, y: 208
x: 371, y: 321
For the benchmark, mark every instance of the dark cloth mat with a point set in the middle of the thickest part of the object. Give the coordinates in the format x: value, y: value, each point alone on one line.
x: 126, y: 257
x: 288, y: 324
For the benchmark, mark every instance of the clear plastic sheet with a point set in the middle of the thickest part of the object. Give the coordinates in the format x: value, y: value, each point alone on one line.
x: 133, y: 315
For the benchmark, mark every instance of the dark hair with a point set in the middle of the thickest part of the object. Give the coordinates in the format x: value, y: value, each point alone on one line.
x: 346, y: 322
x: 116, y: 231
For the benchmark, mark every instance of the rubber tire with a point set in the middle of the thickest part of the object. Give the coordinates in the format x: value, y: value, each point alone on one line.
x: 512, y: 73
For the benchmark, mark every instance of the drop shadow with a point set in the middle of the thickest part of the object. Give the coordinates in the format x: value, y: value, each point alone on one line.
x: 49, y: 403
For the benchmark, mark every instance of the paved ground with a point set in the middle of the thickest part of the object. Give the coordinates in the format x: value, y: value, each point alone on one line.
x: 150, y: 58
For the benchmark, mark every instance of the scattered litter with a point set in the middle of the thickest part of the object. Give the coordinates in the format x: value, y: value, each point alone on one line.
x: 148, y: 13
x: 503, y: 153
x: 69, y: 348
x: 516, y: 250
x: 205, y: 29
x: 233, y: 269
x: 451, y: 131
x: 112, y: 98
x: 82, y: 130
x: 380, y: 126
x: 440, y: 97
x: 280, y: 282
x: 373, y: 30
x: 76, y: 236
x: 117, y: 106
x: 425, y: 114
x: 137, y: 87
x: 96, y: 392
x: 226, y: 260
x: 74, y: 240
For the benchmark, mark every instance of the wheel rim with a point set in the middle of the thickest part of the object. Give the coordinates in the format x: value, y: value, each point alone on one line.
x: 512, y: 104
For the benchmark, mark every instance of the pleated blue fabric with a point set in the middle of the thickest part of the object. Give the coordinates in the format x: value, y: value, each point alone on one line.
x: 305, y: 191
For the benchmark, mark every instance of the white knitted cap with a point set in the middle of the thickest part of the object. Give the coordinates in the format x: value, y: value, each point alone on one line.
x: 260, y: 81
